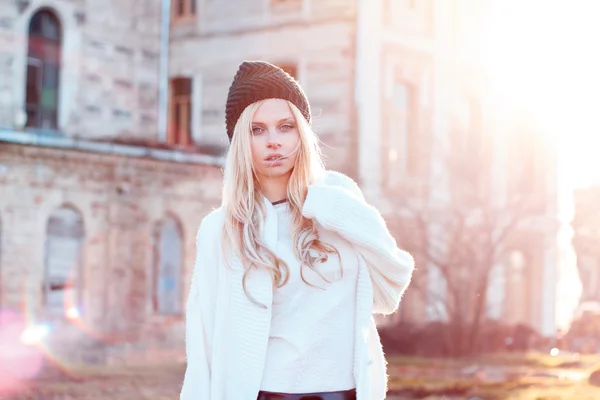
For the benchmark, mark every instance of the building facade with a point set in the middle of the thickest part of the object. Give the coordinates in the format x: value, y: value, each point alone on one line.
x: 99, y: 210
x: 112, y: 139
x: 586, y: 225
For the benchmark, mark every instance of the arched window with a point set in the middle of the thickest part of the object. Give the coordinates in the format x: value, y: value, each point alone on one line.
x: 166, y: 297
x: 43, y: 70
x: 63, y: 262
x: 517, y: 266
x: 517, y: 279
x: 496, y: 291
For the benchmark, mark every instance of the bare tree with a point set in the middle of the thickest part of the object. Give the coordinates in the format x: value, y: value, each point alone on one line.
x: 462, y: 227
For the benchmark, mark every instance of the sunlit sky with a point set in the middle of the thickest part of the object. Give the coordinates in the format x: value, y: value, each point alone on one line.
x: 543, y: 55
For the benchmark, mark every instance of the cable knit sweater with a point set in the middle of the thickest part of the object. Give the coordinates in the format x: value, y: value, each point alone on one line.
x: 227, y: 334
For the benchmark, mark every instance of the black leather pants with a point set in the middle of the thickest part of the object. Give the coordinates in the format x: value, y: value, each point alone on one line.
x: 343, y: 395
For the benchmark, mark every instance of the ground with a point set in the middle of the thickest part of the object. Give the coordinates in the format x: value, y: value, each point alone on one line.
x: 496, y: 377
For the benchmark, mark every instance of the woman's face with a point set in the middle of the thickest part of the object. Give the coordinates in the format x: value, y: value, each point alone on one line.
x: 275, y: 140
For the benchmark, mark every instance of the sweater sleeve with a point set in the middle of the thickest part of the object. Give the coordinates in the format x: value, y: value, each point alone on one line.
x: 200, y: 314
x: 342, y: 208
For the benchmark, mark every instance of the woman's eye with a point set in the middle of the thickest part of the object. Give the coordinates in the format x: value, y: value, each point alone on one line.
x: 257, y: 130
x: 287, y: 127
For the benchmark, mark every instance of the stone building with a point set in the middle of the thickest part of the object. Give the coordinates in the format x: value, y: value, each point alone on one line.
x: 112, y: 137
x: 586, y: 225
x: 99, y: 207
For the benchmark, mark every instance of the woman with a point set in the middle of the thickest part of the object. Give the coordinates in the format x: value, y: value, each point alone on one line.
x: 291, y: 266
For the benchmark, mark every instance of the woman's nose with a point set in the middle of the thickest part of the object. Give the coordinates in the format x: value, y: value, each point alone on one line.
x: 273, y: 141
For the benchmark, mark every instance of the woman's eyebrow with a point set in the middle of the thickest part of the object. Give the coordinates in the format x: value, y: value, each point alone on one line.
x: 289, y: 119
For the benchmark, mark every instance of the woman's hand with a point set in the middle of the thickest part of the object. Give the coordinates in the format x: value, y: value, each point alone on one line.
x: 338, y: 205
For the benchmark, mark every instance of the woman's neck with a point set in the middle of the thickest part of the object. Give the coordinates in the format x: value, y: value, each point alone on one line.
x: 274, y: 189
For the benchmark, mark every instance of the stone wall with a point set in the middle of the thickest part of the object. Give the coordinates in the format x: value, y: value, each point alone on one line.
x: 120, y: 200
x: 109, y: 66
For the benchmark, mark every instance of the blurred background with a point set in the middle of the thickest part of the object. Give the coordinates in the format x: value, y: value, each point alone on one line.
x: 471, y: 124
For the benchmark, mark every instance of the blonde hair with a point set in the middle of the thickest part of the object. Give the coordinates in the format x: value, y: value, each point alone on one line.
x: 245, y: 211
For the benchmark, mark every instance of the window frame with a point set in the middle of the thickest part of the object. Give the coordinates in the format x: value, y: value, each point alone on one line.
x: 180, y: 103
x: 73, y: 281
x: 409, y: 167
x: 155, y: 296
x: 44, y: 52
x: 190, y: 9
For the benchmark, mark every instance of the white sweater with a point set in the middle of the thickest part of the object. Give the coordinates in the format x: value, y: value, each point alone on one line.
x: 227, y: 335
x: 311, y: 338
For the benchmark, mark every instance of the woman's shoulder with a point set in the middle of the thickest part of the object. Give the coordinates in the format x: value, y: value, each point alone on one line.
x: 212, y: 223
x: 336, y: 178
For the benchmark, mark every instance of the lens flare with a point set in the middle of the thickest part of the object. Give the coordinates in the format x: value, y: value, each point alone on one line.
x: 35, y: 334
x: 18, y: 361
x: 72, y: 313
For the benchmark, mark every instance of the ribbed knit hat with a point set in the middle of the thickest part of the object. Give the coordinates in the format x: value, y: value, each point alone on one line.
x: 260, y: 80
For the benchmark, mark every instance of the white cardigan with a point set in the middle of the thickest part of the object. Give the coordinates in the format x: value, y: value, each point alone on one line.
x: 227, y: 334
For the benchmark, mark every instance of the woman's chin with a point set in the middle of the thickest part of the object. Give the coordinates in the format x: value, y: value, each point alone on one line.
x: 277, y: 171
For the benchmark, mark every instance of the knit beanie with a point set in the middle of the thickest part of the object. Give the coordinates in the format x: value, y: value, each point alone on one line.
x: 260, y: 80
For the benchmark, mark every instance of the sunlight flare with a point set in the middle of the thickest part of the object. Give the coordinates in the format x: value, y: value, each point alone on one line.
x: 545, y: 62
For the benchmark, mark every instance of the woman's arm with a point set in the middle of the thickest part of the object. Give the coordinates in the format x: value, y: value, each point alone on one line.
x: 200, y: 312
x: 339, y: 205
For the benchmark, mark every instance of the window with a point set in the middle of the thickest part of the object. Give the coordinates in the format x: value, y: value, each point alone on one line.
x: 470, y: 156
x: 286, y: 6
x: 403, y: 144
x: 291, y: 69
x: 166, y: 298
x: 63, y: 262
x: 525, y: 178
x: 183, y: 9
x: 517, y: 276
x: 526, y: 186
x: 409, y: 15
x: 43, y: 70
x: 496, y: 291
x: 387, y: 12
x: 180, y: 112
x: 475, y: 138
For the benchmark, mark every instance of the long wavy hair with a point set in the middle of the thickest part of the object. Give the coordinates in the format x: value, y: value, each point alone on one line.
x: 245, y: 211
